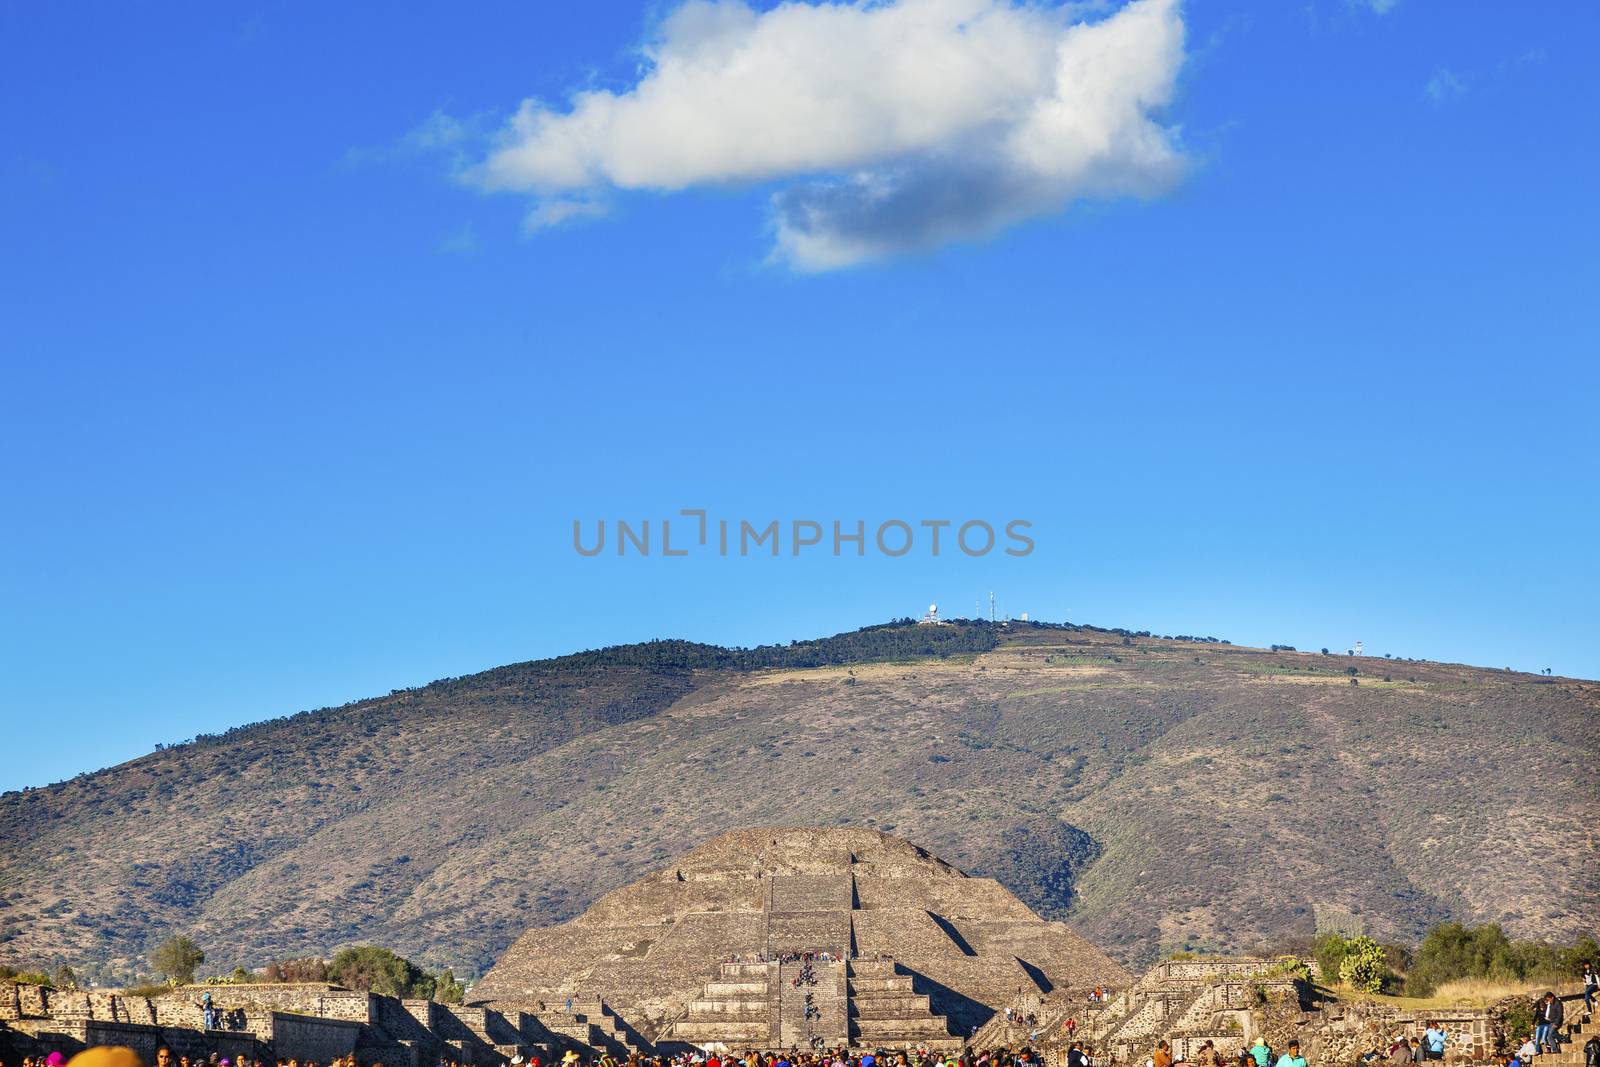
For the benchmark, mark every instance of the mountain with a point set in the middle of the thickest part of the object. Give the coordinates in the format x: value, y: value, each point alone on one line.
x: 1159, y: 793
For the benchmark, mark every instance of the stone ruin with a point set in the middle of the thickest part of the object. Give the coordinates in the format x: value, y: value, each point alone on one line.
x: 760, y: 938
x: 905, y: 949
x: 306, y: 1021
x: 1230, y: 1001
x: 768, y: 938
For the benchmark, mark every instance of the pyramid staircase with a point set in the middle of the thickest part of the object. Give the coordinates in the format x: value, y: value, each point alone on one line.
x: 1147, y: 1016
x: 735, y: 1007
x: 592, y: 1022
x: 886, y: 1009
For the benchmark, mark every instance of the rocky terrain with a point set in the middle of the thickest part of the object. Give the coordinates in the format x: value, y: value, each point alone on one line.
x: 1159, y: 794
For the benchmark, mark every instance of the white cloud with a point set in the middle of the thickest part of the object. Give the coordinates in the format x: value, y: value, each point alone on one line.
x: 1444, y: 85
x: 555, y: 210
x: 1382, y: 7
x: 887, y: 125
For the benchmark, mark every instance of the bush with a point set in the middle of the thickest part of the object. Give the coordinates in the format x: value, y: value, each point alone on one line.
x: 378, y: 970
x: 34, y: 978
x: 308, y: 969
x: 1364, y: 965
x: 1330, y: 951
x: 1516, y: 1021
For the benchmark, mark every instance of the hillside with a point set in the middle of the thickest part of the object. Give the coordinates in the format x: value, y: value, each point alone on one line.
x: 1158, y: 793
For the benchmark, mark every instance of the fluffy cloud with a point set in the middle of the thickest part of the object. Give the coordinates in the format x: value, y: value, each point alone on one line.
x: 887, y: 125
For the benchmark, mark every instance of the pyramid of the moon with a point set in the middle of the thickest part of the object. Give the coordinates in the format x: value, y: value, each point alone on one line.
x: 910, y: 949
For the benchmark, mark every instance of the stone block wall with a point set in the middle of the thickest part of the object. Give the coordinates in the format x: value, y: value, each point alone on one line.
x: 304, y: 1037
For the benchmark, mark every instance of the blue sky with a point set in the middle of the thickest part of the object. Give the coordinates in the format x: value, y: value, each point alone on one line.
x: 297, y: 410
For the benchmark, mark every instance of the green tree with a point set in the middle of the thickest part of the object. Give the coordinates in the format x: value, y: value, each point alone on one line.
x: 1451, y: 951
x: 378, y: 970
x: 176, y: 958
x: 447, y: 990
x: 1364, y: 966
x: 65, y: 978
x: 1330, y: 950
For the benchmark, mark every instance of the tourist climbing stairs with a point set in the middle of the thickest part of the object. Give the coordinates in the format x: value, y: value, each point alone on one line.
x: 812, y: 1003
x: 1577, y: 1031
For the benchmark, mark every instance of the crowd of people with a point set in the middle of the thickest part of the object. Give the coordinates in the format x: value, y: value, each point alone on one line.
x: 838, y: 1057
x: 796, y: 1057
x: 820, y: 955
x: 1257, y: 1054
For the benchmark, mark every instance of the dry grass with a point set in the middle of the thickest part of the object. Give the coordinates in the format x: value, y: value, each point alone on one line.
x: 1462, y: 993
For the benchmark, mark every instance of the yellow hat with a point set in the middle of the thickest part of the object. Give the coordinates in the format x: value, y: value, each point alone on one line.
x: 106, y: 1056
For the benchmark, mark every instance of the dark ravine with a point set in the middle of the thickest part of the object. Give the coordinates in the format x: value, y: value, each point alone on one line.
x: 1160, y: 793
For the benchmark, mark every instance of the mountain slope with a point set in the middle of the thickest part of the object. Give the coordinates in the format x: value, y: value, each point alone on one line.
x: 1166, y: 793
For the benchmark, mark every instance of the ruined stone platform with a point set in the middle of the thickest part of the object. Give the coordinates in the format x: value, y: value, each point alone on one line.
x: 908, y: 949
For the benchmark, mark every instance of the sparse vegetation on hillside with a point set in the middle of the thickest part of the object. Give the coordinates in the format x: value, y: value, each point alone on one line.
x: 1160, y: 794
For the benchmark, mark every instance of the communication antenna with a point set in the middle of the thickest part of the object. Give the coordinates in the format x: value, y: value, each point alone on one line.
x: 991, y: 606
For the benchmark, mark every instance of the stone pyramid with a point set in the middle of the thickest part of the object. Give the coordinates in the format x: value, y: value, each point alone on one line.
x: 694, y: 952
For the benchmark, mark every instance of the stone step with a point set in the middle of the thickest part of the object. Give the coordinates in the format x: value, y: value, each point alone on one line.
x: 868, y: 1012
x: 719, y: 1008
x: 898, y: 984
x: 907, y: 1004
x: 872, y: 967
x: 735, y: 990
x: 730, y: 1032
x: 924, y: 1025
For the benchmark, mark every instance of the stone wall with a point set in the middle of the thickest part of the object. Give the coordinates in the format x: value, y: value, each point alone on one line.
x: 308, y: 1022
x: 304, y: 1037
x: 1231, y: 1001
